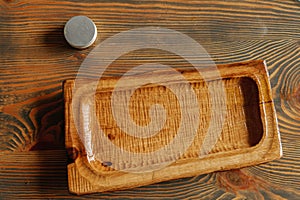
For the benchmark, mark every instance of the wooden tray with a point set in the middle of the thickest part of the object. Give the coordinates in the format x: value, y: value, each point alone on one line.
x: 249, y: 133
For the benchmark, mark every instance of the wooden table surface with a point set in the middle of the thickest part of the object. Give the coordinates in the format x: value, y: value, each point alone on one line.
x: 35, y: 60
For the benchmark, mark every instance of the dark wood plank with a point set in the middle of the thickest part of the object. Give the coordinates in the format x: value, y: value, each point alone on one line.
x: 42, y: 174
x: 35, y: 60
x: 32, y: 44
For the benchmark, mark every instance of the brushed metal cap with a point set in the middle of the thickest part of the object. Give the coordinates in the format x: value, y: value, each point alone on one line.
x: 80, y: 32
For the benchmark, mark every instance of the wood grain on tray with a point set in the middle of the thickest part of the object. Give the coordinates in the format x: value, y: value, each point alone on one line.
x: 249, y: 133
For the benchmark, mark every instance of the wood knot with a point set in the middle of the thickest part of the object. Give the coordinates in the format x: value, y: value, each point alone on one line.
x: 106, y: 163
x: 294, y: 100
x: 234, y: 180
x: 296, y: 95
x: 111, y: 136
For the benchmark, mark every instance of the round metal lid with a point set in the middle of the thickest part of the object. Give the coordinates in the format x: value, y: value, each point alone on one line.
x: 80, y: 32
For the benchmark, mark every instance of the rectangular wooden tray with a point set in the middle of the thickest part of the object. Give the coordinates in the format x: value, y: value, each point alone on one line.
x: 249, y: 133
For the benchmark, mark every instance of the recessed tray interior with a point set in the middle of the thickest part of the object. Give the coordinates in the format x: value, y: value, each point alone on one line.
x: 242, y: 126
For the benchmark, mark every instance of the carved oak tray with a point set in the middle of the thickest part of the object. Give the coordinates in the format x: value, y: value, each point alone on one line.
x: 140, y: 134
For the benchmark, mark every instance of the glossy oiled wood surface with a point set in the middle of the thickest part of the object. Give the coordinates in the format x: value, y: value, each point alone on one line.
x: 248, y: 135
x: 35, y: 60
